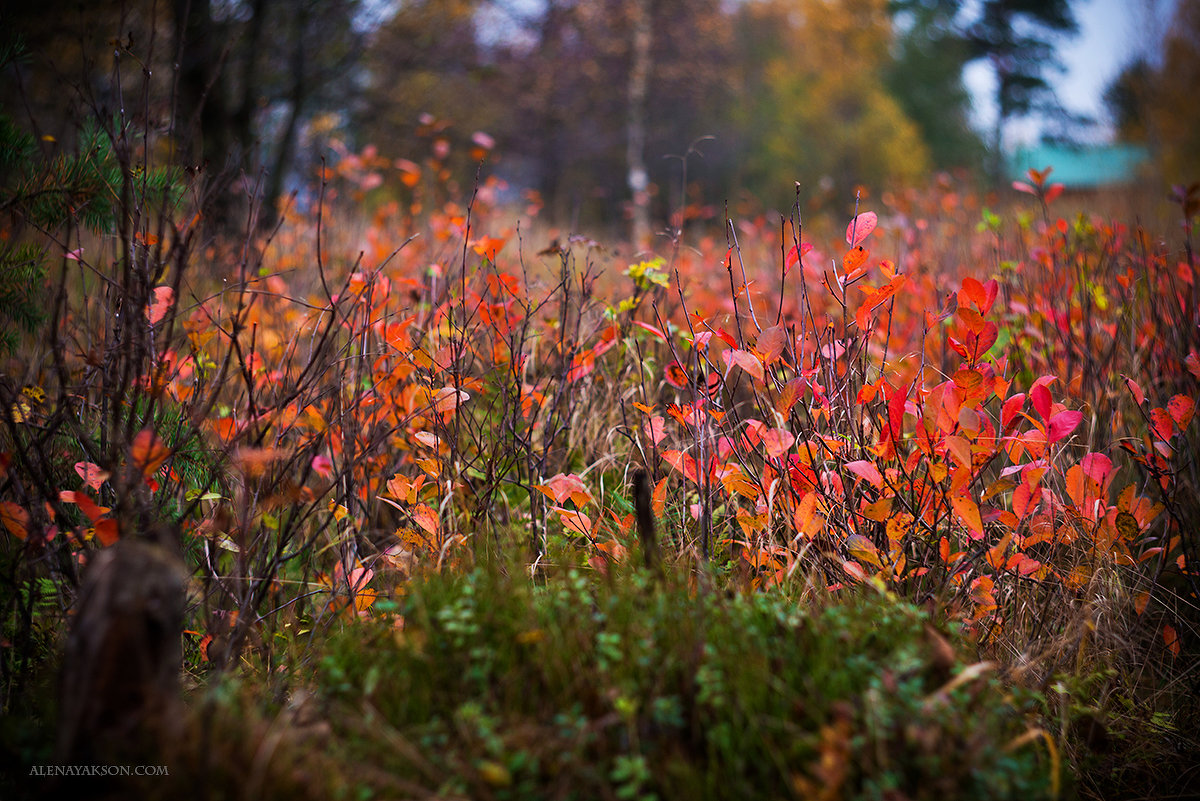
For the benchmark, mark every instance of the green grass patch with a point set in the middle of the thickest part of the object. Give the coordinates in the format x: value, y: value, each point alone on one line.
x: 491, y: 686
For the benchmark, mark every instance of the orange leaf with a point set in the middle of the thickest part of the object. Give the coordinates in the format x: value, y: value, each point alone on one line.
x: 735, y: 481
x: 576, y: 521
x: 997, y: 555
x: 960, y: 449
x: 879, y: 511
x: 148, y: 452
x: 1171, y: 639
x: 854, y: 570
x: 683, y: 463
x: 658, y: 499
x: 107, y: 532
x: 1140, y: 601
x: 968, y: 513
x: 447, y: 399
x: 854, y: 259
x: 1025, y: 499
x: 426, y: 518
x: 863, y: 549
x: 15, y: 519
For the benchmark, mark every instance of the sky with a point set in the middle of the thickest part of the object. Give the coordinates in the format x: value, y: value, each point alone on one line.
x: 1111, y: 34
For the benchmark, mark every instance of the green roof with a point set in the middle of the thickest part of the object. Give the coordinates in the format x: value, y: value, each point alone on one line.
x: 1088, y: 167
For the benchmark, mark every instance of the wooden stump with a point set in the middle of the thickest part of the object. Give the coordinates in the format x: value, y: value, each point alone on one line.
x: 120, y: 683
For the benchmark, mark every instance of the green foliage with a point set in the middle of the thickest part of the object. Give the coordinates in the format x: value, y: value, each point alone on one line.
x: 925, y: 78
x: 581, y: 688
x: 83, y: 187
x: 22, y: 293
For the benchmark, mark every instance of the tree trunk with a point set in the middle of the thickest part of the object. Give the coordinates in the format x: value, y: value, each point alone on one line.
x: 635, y: 125
x: 269, y: 212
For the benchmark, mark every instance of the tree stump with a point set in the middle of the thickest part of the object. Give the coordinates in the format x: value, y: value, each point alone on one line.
x: 120, y: 681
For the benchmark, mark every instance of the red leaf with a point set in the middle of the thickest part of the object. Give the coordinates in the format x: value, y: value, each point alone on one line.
x: 322, y: 466
x: 745, y: 360
x: 793, y: 256
x: 1096, y: 466
x: 1008, y: 413
x: 1135, y: 390
x: 981, y: 295
x: 1040, y: 397
x: 1062, y: 424
x: 561, y: 488
x: 771, y: 343
x: 91, y: 474
x: 866, y: 470
x: 777, y: 441
x: 1161, y: 424
x: 652, y: 329
x: 655, y: 428
x: 675, y: 375
x: 861, y: 227
x: 896, y: 403
x: 1181, y: 408
x: 163, y: 297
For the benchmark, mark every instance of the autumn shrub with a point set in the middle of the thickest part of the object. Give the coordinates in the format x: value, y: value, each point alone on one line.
x: 339, y: 418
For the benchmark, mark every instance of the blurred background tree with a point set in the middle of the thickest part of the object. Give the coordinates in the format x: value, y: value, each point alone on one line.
x: 1174, y: 114
x: 250, y: 72
x: 818, y: 109
x: 1152, y: 100
x: 583, y: 98
x: 1018, y: 39
x: 925, y: 76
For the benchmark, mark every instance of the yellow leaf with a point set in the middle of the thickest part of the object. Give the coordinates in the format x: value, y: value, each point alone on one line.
x: 878, y: 511
x: 863, y: 550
